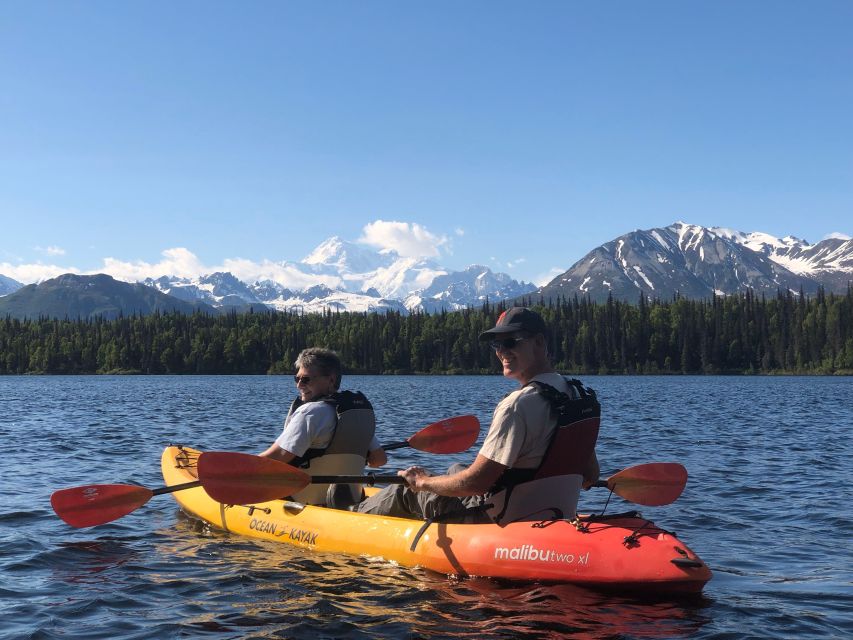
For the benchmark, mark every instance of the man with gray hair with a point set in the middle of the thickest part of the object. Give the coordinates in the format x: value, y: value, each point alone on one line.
x: 327, y: 431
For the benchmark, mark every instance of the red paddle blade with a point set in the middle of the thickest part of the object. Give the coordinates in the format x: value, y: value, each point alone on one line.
x: 98, y: 503
x: 653, y: 484
x: 453, y: 435
x: 241, y: 478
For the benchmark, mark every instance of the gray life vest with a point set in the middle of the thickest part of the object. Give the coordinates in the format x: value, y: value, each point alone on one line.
x: 346, y: 452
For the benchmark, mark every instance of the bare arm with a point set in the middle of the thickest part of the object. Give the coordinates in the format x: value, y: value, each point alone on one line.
x: 590, y: 474
x: 278, y: 453
x: 376, y: 457
x: 474, y: 480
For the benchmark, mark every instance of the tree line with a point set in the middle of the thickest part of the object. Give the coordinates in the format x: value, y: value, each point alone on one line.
x: 737, y: 334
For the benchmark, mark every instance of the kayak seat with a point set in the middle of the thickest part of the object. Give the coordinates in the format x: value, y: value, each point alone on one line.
x: 341, y: 496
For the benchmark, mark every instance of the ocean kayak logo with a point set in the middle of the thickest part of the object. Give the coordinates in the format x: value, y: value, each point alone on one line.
x: 299, y: 535
x: 530, y: 553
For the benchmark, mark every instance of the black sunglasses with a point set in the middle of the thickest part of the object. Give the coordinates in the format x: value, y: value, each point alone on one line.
x: 506, y: 343
x: 302, y: 379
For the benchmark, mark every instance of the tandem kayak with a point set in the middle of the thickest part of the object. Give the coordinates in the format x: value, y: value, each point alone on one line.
x: 623, y: 552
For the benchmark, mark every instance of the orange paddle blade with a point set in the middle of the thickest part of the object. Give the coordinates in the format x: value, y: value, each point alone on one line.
x: 653, y: 484
x: 98, y: 503
x: 241, y: 478
x: 453, y: 435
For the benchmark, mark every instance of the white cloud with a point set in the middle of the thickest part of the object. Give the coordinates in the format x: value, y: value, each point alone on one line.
x: 836, y: 235
x: 544, y: 278
x: 408, y: 239
x: 459, y: 231
x: 285, y: 274
x: 178, y: 261
x: 51, y: 251
x: 37, y: 272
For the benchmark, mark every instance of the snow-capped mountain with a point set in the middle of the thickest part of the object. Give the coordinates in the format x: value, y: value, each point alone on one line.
x: 459, y: 289
x: 7, y: 285
x: 830, y: 261
x: 698, y: 262
x: 351, y: 277
x: 217, y: 289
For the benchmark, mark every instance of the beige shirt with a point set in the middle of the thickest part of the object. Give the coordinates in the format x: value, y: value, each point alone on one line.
x: 522, y: 425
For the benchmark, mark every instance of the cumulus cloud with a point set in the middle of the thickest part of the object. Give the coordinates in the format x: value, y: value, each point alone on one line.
x: 34, y: 272
x: 178, y: 261
x: 836, y: 235
x: 286, y: 274
x: 408, y: 239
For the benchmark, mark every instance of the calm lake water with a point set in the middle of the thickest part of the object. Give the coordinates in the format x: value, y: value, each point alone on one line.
x: 767, y: 506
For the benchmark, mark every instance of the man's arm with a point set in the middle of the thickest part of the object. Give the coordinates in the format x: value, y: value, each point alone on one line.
x: 590, y: 474
x: 376, y: 457
x: 471, y: 481
x: 278, y: 453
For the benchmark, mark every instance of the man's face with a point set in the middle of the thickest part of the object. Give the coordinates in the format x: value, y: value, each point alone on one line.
x: 312, y: 384
x: 517, y: 353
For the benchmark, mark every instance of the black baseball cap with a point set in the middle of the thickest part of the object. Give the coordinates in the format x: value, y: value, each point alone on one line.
x: 517, y: 319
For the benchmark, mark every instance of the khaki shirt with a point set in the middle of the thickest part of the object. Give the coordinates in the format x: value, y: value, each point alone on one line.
x: 522, y: 425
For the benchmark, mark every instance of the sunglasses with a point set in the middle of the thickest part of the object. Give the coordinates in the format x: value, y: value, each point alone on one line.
x: 303, y: 379
x: 506, y: 343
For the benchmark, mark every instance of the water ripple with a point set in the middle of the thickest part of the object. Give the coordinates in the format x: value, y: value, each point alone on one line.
x: 767, y: 506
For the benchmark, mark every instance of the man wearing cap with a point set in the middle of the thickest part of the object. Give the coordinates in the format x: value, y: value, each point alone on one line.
x: 519, y: 437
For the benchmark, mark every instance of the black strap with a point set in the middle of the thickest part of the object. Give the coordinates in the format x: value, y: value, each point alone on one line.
x: 444, y: 517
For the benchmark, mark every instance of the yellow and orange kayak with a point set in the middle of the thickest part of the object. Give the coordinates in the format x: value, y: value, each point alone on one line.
x: 623, y: 552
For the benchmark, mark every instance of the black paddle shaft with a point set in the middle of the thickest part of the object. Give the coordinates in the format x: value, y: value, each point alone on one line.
x: 370, y: 479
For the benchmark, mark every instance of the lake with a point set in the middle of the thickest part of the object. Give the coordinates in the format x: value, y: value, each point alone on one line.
x: 767, y: 506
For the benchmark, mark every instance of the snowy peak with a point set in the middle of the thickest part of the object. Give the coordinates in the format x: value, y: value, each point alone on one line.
x: 7, y: 285
x: 695, y: 261
x: 361, y: 279
x: 347, y: 257
x: 473, y: 285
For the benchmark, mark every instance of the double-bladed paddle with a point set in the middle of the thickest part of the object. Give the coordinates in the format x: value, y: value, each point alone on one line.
x: 453, y: 435
x: 240, y: 478
x: 95, y: 504
x: 653, y: 484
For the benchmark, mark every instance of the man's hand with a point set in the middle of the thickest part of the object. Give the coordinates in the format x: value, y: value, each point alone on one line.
x: 414, y: 477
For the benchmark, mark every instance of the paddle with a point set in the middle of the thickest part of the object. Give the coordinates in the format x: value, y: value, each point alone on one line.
x: 653, y: 484
x: 95, y: 504
x: 241, y: 478
x: 453, y: 435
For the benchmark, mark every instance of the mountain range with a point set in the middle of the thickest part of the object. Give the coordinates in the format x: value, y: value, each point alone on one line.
x: 681, y: 259
x: 700, y: 262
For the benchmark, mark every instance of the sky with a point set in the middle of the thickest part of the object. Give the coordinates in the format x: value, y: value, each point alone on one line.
x: 147, y: 136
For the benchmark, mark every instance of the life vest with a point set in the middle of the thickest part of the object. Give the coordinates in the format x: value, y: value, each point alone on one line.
x: 552, y: 488
x: 346, y: 452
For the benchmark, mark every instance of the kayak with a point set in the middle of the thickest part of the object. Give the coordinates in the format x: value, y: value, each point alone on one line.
x: 623, y: 552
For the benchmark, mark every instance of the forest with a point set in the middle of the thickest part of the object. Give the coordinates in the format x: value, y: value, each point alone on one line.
x: 741, y: 334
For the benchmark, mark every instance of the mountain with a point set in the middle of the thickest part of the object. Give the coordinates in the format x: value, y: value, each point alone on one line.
x: 699, y: 262
x: 347, y: 276
x: 7, y: 285
x: 216, y: 289
x: 829, y: 262
x: 338, y: 256
x: 319, y: 298
x: 99, y: 295
x: 459, y: 289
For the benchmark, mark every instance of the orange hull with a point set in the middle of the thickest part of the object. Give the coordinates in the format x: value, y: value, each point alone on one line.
x: 621, y: 552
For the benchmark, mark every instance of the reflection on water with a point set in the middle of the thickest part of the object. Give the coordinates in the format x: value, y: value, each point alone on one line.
x: 281, y: 591
x: 773, y: 530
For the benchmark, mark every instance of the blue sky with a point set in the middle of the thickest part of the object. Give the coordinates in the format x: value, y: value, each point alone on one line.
x: 519, y: 135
